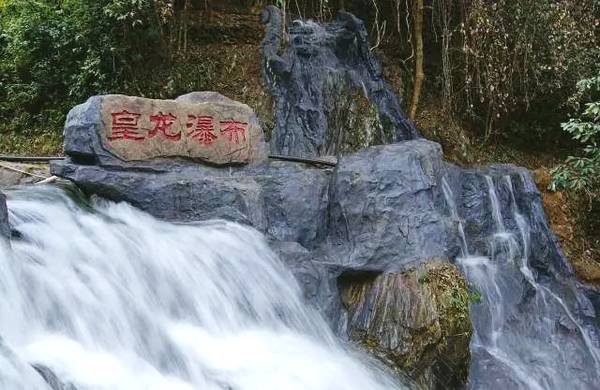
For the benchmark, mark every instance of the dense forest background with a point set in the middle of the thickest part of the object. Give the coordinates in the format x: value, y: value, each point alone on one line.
x: 514, y: 81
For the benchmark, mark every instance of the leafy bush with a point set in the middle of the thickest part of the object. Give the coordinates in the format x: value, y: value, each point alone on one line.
x: 54, y: 54
x: 582, y: 173
x: 525, y: 55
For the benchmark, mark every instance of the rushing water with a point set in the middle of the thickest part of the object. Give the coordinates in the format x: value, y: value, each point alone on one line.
x: 108, y: 297
x: 525, y: 335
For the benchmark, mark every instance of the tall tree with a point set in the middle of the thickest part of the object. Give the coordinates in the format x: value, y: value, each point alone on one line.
x: 419, y: 73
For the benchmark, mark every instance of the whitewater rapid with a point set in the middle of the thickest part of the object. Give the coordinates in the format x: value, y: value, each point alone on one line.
x: 107, y: 297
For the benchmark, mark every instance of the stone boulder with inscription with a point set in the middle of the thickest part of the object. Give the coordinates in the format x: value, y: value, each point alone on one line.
x: 126, y: 132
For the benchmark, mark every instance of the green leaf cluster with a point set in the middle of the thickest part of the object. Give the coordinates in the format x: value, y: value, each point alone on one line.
x: 581, y: 173
x: 56, y: 53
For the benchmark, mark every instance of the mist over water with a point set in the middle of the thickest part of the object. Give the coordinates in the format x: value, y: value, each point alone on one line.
x: 108, y: 297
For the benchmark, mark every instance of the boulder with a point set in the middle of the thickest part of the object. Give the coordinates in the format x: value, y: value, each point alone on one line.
x: 287, y: 201
x: 387, y: 211
x: 113, y: 130
x: 416, y: 321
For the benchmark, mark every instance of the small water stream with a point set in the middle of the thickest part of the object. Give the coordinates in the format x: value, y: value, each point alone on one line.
x: 525, y: 335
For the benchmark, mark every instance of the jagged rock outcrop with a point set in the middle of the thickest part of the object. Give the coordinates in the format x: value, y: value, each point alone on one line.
x: 417, y: 321
x: 284, y: 200
x: 310, y: 77
x: 387, y: 210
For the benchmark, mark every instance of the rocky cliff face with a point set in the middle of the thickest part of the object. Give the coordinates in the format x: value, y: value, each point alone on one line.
x: 314, y: 76
x: 383, y: 212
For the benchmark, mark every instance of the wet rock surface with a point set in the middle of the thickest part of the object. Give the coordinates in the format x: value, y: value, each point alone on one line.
x: 4, y: 225
x: 309, y: 75
x: 535, y: 325
x: 417, y: 321
x: 381, y: 212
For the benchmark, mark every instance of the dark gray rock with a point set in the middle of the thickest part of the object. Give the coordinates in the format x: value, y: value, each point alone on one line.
x: 52, y: 379
x: 16, y: 374
x: 387, y: 211
x: 317, y: 277
x: 307, y: 76
x: 549, y: 318
x: 286, y: 201
x: 471, y: 187
x: 4, y: 225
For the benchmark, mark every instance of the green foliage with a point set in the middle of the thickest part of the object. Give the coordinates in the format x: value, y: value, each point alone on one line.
x: 582, y: 173
x: 54, y: 54
x: 525, y: 54
x: 475, y: 295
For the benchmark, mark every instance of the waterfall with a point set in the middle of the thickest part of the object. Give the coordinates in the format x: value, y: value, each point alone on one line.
x: 525, y: 335
x: 464, y: 246
x: 107, y: 297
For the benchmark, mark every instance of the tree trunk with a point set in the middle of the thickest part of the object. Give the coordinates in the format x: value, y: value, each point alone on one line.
x: 341, y: 5
x: 419, y: 74
x: 185, y: 26
x: 208, y: 10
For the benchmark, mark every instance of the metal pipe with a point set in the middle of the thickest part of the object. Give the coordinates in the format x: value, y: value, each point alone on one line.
x: 29, y: 158
x: 315, y: 161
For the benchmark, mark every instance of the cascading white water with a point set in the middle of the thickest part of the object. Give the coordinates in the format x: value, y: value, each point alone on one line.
x: 516, y: 342
x: 108, y: 297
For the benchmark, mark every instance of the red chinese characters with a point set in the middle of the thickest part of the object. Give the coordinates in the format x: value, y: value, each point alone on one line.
x: 201, y: 129
x: 125, y: 126
x: 233, y: 130
x: 163, y: 124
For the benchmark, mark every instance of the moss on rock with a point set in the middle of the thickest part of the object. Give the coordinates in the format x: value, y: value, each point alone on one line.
x: 416, y: 321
